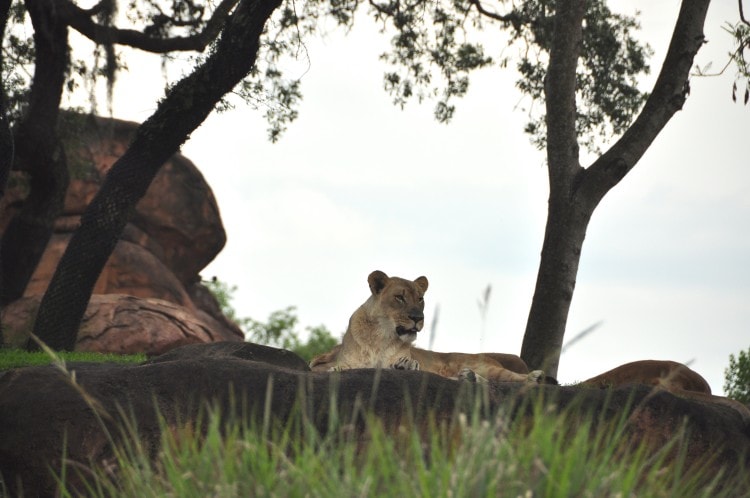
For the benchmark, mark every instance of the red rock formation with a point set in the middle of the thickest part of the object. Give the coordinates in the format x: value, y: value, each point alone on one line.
x: 175, y: 232
x: 116, y: 323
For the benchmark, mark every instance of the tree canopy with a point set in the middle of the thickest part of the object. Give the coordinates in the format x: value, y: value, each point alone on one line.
x: 434, y: 47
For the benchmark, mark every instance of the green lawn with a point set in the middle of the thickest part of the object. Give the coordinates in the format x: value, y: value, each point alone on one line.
x: 14, y: 358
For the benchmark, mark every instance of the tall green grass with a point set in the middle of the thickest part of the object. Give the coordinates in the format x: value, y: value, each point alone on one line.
x: 540, y: 452
x: 15, y: 358
x: 546, y: 454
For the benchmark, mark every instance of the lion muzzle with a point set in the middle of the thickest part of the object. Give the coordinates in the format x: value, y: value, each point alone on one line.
x: 406, y: 331
x: 415, y: 316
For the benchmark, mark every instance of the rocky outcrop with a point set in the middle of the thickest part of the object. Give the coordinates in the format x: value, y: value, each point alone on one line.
x: 115, y: 323
x: 175, y: 232
x: 131, y: 270
x: 235, y: 350
x: 41, y: 408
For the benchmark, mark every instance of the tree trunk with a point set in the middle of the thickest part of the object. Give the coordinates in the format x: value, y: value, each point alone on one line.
x: 574, y: 191
x: 182, y: 111
x: 556, y: 281
x: 40, y: 153
x: 6, y: 136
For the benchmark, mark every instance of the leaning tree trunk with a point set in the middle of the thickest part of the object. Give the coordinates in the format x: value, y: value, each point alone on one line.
x: 574, y: 191
x: 40, y: 153
x: 181, y: 112
x: 6, y: 137
x: 556, y: 280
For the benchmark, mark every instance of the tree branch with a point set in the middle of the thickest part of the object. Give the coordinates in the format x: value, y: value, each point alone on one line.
x: 80, y: 20
x: 742, y: 13
x: 511, y: 18
x: 99, y: 7
x: 387, y: 10
x: 667, y: 97
x: 6, y: 136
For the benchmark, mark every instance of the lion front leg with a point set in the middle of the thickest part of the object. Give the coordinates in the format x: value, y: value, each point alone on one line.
x: 498, y: 373
x: 406, y: 363
x: 469, y: 375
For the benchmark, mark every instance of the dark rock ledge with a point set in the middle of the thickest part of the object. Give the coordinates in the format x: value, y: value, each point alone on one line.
x: 40, y: 405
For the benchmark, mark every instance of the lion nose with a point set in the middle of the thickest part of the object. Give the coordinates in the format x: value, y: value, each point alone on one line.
x: 416, y: 316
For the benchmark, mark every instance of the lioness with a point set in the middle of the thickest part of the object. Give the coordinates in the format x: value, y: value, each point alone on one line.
x: 668, y: 375
x: 382, y: 330
x: 671, y: 376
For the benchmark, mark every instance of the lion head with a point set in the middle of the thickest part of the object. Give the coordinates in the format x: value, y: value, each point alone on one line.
x: 399, y: 304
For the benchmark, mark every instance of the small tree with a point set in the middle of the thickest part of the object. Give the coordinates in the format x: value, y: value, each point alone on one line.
x: 279, y: 330
x: 737, y: 377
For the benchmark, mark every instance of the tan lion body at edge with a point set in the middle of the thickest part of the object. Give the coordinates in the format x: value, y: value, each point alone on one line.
x: 670, y: 375
x: 451, y: 364
x: 382, y: 330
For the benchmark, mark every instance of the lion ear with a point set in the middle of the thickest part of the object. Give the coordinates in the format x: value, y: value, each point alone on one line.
x: 377, y: 281
x: 421, y: 283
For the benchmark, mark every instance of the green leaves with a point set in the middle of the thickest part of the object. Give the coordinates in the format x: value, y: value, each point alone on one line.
x: 279, y: 330
x: 436, y: 44
x: 611, y: 62
x: 430, y: 53
x: 737, y: 377
x: 740, y: 32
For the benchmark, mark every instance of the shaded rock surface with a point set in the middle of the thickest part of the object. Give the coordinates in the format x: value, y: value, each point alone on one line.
x: 240, y: 350
x: 38, y: 405
x: 115, y: 323
x: 131, y: 269
x: 175, y: 232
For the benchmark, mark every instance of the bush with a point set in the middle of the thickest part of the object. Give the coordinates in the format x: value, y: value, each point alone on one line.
x: 737, y: 377
x: 280, y: 330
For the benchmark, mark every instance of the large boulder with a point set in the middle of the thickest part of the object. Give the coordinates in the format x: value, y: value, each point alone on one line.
x: 131, y: 270
x: 179, y: 212
x: 115, y: 323
x: 175, y: 232
x: 42, y: 410
x: 236, y: 350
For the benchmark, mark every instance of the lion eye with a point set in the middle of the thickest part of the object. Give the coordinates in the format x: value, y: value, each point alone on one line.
x: 421, y: 299
x: 400, y: 299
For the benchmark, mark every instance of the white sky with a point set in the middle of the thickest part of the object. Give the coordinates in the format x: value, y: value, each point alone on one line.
x: 356, y: 185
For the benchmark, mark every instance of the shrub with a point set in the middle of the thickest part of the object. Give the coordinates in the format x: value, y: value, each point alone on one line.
x: 279, y: 330
x: 737, y: 377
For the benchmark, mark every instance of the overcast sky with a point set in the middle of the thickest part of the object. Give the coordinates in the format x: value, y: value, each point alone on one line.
x: 357, y: 184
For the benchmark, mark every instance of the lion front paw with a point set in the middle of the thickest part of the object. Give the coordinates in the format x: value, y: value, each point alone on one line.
x: 535, y: 377
x: 406, y: 363
x: 467, y: 374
